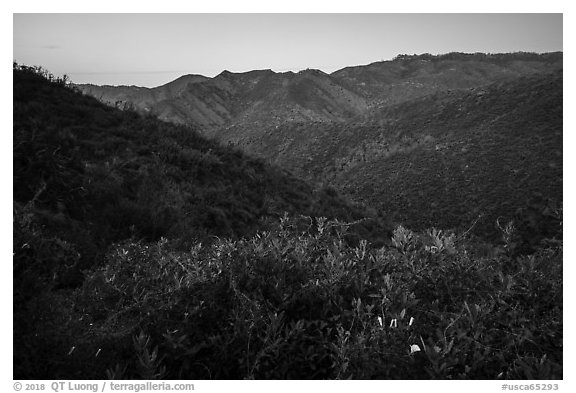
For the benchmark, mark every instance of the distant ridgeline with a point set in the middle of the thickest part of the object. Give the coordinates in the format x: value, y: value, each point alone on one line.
x: 431, y: 140
x: 479, y: 56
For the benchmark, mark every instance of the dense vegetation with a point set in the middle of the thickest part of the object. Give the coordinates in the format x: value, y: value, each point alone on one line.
x: 451, y: 157
x: 142, y: 250
x: 444, y: 159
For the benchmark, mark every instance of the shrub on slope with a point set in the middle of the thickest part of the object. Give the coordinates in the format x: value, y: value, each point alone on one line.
x: 292, y: 303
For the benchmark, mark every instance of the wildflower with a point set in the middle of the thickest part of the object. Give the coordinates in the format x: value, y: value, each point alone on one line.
x: 411, y: 321
x: 393, y: 323
x: 414, y: 348
x: 380, y: 320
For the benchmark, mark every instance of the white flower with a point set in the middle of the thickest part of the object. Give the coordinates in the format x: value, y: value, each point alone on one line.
x: 411, y: 321
x: 380, y: 320
x: 393, y: 323
x: 414, y: 348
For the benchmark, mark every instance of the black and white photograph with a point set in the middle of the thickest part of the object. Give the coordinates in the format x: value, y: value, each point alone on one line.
x: 287, y: 196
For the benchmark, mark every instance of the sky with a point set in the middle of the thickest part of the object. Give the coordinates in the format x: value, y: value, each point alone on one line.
x: 153, y: 49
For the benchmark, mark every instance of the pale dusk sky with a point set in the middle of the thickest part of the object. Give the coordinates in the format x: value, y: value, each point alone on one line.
x: 153, y: 49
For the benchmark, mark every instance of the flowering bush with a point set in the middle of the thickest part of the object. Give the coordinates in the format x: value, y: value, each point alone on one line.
x: 301, y: 303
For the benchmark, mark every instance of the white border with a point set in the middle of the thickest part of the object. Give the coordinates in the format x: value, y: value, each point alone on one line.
x: 300, y: 6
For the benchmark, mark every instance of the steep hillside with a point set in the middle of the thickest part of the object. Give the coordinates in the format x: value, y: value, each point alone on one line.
x: 439, y: 160
x: 92, y: 175
x: 449, y: 158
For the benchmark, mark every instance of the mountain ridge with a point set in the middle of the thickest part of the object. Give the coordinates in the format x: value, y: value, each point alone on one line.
x: 214, y: 101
